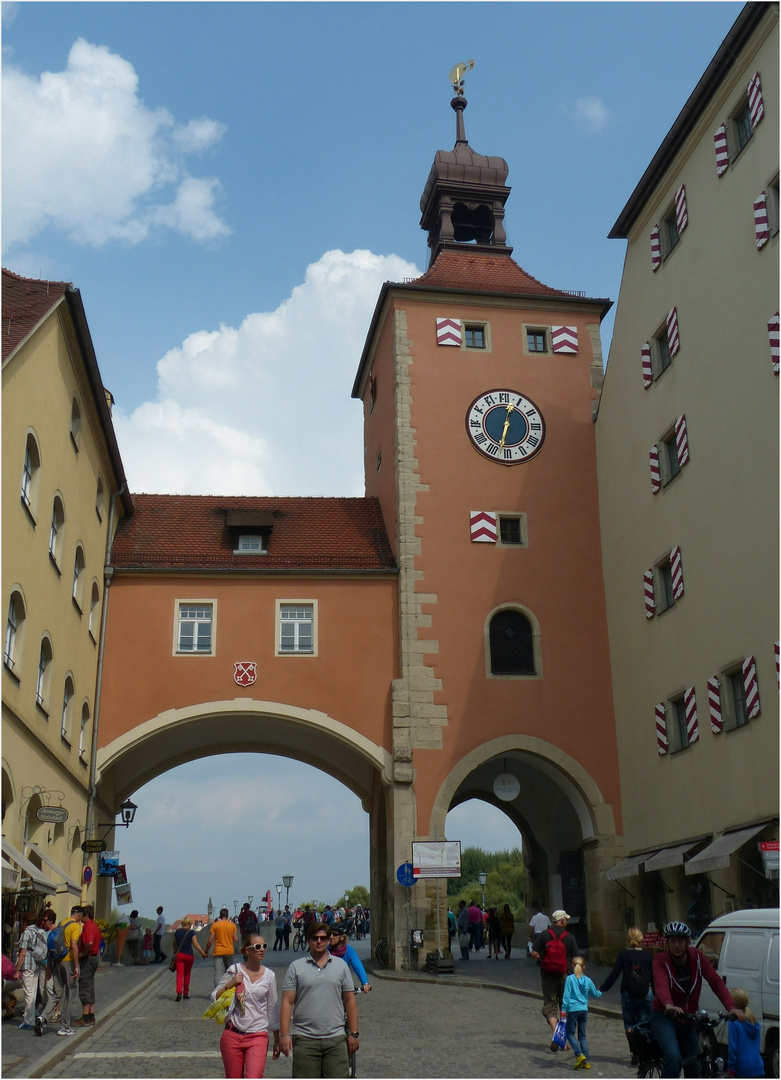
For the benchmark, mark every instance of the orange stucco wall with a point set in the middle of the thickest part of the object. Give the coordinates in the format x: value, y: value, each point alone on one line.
x: 349, y: 678
x: 558, y: 577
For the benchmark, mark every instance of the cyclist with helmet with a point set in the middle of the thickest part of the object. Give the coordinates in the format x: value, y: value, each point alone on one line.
x: 338, y: 946
x: 678, y: 975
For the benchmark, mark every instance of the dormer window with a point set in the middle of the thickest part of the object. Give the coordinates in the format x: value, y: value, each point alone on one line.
x: 250, y: 544
x: 250, y: 530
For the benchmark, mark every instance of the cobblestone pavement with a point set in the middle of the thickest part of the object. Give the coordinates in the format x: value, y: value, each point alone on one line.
x: 409, y: 1028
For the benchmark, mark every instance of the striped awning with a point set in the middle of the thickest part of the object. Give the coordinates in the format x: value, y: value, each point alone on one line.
x: 28, y: 869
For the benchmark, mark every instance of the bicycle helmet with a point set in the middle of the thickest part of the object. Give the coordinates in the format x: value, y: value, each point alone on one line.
x: 677, y: 929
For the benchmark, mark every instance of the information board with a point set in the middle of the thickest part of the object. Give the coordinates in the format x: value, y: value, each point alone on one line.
x: 436, y: 858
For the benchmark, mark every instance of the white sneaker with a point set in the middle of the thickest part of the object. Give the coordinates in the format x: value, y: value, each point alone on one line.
x: 67, y: 1031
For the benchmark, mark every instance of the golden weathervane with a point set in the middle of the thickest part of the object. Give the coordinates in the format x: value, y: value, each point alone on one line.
x: 457, y: 74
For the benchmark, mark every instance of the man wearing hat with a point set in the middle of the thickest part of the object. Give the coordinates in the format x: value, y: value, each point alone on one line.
x: 555, y: 948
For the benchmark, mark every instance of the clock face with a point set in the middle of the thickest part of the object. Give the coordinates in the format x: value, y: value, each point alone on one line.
x: 505, y: 426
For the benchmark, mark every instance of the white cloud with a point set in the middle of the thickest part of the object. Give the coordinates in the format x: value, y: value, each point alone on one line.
x: 84, y: 154
x: 265, y: 408
x: 592, y: 114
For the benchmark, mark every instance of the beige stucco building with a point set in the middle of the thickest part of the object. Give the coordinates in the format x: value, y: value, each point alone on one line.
x: 61, y: 473
x: 687, y: 445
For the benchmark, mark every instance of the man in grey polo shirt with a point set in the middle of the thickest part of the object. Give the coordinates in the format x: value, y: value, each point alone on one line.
x: 317, y: 991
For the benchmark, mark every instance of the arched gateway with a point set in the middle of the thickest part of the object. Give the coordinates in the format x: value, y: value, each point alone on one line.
x: 448, y: 627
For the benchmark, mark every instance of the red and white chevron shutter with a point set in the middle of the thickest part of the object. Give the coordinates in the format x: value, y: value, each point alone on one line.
x: 648, y: 592
x: 564, y: 339
x: 772, y: 333
x: 673, y: 338
x: 661, y: 728
x: 648, y: 371
x: 714, y: 706
x: 656, y: 479
x: 681, y: 215
x: 722, y: 153
x: 756, y: 108
x: 676, y: 570
x: 448, y: 332
x: 751, y: 687
x: 777, y: 651
x: 681, y: 440
x: 656, y: 249
x: 482, y: 525
x: 690, y: 709
x: 761, y: 227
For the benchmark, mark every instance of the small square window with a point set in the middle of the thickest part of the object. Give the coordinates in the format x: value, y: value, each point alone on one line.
x: 512, y: 528
x: 251, y: 544
x: 195, y: 628
x: 536, y: 341
x: 474, y: 336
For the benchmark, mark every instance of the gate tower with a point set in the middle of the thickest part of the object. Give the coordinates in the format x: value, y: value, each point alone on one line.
x: 479, y: 387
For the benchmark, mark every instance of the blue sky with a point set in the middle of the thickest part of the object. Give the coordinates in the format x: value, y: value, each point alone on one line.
x: 228, y: 184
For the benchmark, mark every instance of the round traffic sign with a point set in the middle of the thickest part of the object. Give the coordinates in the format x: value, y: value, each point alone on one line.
x: 405, y: 875
x: 87, y: 875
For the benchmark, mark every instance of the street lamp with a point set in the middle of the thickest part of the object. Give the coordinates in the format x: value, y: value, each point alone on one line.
x: 481, y: 878
x: 279, y: 896
x: 287, y: 881
x: 249, y: 898
x: 235, y: 908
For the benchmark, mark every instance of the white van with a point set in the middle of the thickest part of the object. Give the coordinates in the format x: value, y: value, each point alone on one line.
x: 743, y: 947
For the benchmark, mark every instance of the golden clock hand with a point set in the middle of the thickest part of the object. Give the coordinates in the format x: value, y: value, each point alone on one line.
x: 506, y: 424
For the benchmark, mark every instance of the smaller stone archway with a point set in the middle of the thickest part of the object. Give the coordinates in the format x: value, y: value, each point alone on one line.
x: 568, y: 829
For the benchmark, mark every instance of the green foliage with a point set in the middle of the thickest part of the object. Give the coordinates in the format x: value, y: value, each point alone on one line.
x: 504, y: 880
x: 359, y: 894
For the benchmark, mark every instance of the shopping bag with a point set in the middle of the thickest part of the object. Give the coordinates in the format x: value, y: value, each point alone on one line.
x: 560, y: 1034
x: 218, y: 1009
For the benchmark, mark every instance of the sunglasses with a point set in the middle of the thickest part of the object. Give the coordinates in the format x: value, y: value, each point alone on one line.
x: 319, y: 937
x: 257, y: 948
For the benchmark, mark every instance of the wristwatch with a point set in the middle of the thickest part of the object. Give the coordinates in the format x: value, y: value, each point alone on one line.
x: 353, y: 1034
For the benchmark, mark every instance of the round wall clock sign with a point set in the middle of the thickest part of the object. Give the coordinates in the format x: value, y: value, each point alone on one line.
x: 505, y: 426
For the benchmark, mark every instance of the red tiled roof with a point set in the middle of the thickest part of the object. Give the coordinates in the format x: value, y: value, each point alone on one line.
x: 184, y: 532
x: 25, y: 302
x: 483, y: 273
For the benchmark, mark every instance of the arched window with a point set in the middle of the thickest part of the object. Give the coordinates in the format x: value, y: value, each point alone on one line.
x: 100, y: 499
x: 94, y: 611
x: 14, y: 632
x: 83, y: 731
x: 43, y: 685
x: 56, y: 535
x: 511, y: 640
x: 31, y: 473
x: 75, y: 422
x: 79, y: 567
x: 67, y: 708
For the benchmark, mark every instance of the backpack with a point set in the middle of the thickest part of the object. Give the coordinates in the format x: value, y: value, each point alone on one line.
x: 40, y: 948
x: 554, y: 958
x: 57, y: 948
x: 637, y: 982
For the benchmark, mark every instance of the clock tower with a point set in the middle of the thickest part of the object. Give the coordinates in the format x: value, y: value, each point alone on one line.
x: 479, y: 387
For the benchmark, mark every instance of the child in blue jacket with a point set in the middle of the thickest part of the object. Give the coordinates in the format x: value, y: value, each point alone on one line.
x: 578, y: 988
x: 743, y: 1056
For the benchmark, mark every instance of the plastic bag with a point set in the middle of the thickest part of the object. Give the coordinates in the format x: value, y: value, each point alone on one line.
x: 219, y: 1009
x: 560, y: 1034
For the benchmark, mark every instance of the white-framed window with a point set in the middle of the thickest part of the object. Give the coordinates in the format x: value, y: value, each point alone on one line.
x: 56, y: 533
x: 75, y: 429
x: 79, y: 571
x: 14, y: 632
x: 66, y: 717
x: 43, y: 683
x: 31, y: 474
x: 84, y: 731
x: 296, y: 627
x: 100, y: 499
x: 251, y: 544
x: 94, y: 611
x: 195, y: 621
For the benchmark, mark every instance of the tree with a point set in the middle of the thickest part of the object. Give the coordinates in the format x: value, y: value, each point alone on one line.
x: 504, y: 880
x: 359, y: 894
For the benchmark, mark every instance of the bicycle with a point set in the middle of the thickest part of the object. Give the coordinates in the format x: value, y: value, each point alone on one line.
x: 650, y: 1059
x: 381, y: 954
x: 299, y: 940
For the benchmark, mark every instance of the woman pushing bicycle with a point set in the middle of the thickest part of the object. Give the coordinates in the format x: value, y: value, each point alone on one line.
x: 678, y: 973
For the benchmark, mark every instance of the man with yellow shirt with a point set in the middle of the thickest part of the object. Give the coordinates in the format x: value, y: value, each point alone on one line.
x: 225, y: 935
x: 71, y: 933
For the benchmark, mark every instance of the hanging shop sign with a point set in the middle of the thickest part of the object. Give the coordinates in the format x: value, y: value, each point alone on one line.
x: 52, y: 813
x: 109, y: 864
x: 91, y: 847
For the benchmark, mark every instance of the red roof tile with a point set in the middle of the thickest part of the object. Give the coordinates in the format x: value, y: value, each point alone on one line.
x: 25, y: 302
x: 483, y: 273
x: 184, y: 532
